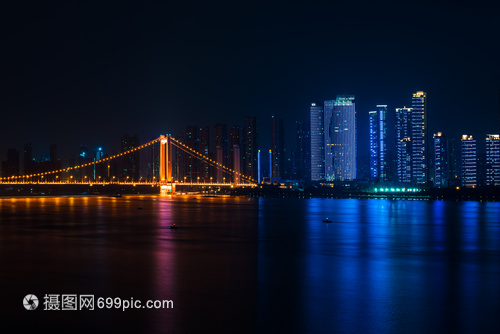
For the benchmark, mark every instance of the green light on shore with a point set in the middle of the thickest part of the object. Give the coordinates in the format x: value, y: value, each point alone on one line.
x: 395, y: 190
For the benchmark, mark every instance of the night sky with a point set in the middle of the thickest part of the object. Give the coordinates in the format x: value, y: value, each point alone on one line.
x: 87, y: 73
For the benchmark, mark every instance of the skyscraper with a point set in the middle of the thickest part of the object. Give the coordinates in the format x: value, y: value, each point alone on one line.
x: 234, y: 139
x: 191, y: 166
x: 10, y: 167
x: 317, y: 142
x: 222, y: 142
x: 441, y: 169
x: 250, y: 147
x: 28, y: 159
x: 277, y: 146
x: 493, y: 160
x: 453, y: 162
x: 205, y: 150
x: 340, y: 138
x: 469, y: 161
x: 419, y: 138
x: 403, y: 144
x: 302, y: 151
x: 373, y: 145
x: 378, y: 144
x: 131, y: 162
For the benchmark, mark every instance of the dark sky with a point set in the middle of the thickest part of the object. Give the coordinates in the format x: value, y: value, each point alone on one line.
x: 87, y: 72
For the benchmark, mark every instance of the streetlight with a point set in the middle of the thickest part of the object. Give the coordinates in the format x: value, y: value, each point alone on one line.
x: 198, y: 179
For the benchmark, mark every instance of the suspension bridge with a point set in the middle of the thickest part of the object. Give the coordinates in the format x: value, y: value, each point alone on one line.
x: 167, y: 177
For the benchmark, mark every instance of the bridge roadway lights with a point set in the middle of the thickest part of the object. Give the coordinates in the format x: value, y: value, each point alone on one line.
x: 167, y: 188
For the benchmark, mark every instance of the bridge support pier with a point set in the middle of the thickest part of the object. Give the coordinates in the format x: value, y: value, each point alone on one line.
x: 167, y: 184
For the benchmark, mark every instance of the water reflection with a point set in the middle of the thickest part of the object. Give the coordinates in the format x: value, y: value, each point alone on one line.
x: 380, y: 266
x: 123, y: 247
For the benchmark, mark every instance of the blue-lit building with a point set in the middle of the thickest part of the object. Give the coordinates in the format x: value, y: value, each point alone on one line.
x: 469, y: 161
x: 403, y: 144
x: 493, y: 160
x: 419, y: 138
x: 441, y: 165
x: 373, y: 145
x: 340, y: 138
x: 378, y: 144
x: 317, y: 142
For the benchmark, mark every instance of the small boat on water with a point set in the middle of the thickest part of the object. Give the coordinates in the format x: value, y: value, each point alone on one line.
x: 326, y: 220
x: 173, y: 227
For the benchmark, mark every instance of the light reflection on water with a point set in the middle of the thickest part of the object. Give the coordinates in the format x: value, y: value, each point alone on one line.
x: 242, y: 265
x: 380, y: 266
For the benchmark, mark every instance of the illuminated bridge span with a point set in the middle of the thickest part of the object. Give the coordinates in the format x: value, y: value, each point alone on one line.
x: 167, y: 176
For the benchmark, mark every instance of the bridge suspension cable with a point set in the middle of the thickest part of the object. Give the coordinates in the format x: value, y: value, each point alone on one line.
x: 209, y: 161
x: 16, y: 178
x: 174, y: 142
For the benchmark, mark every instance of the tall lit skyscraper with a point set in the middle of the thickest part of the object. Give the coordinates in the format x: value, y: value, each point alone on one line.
x: 378, y: 144
x: 493, y: 160
x: 469, y: 161
x: 340, y: 138
x: 277, y: 146
x: 317, y: 142
x: 419, y: 138
x: 441, y: 170
x: 403, y: 144
x: 373, y: 145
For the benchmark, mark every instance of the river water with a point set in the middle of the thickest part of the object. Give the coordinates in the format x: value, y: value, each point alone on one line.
x: 246, y: 265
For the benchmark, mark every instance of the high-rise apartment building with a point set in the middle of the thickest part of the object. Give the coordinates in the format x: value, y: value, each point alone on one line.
x: 191, y: 165
x: 204, y: 149
x: 250, y: 146
x: 277, y: 147
x: 302, y: 151
x: 317, y: 142
x: 131, y: 163
x: 419, y: 138
x: 378, y: 144
x: 403, y: 144
x: 234, y: 139
x: 10, y: 167
x: 28, y: 159
x: 441, y: 165
x: 469, y: 161
x: 340, y: 138
x: 221, y: 145
x: 493, y: 160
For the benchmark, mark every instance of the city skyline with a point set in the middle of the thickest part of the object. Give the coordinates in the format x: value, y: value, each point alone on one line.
x: 287, y: 164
